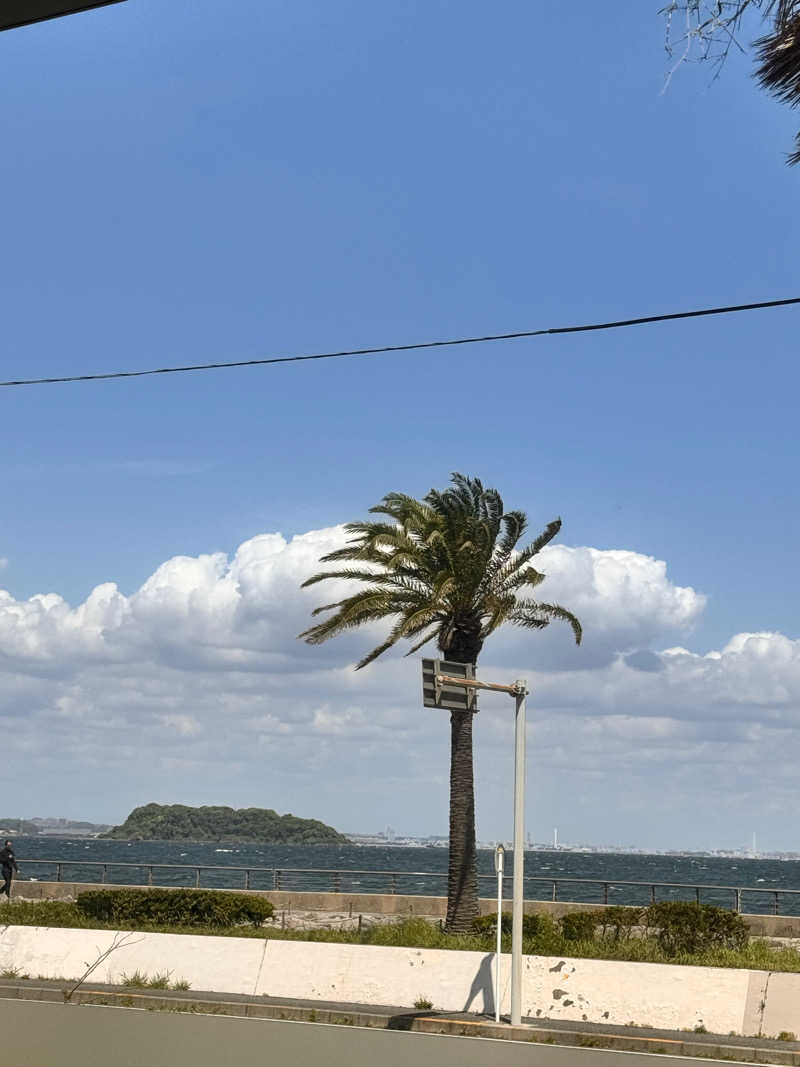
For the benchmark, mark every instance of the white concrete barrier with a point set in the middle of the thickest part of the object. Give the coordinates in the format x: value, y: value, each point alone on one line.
x: 599, y: 991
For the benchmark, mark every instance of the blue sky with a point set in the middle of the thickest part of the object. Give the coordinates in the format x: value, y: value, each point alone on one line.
x: 183, y: 184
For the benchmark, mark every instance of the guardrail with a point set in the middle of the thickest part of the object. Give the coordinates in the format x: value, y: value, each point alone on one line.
x: 410, y: 883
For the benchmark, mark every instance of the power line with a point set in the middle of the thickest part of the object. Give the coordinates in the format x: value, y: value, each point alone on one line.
x: 384, y: 349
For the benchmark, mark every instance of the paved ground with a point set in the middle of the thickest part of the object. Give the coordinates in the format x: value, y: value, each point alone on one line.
x: 394, y: 1017
x: 37, y: 1035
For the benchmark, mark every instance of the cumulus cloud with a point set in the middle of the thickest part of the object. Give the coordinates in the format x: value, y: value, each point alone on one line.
x: 195, y: 689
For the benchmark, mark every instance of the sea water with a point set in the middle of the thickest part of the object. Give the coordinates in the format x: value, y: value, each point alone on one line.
x: 375, y: 869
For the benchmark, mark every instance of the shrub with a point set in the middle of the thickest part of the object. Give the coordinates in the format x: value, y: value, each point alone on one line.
x: 174, y: 907
x: 618, y: 922
x: 684, y: 927
x: 578, y: 925
x: 533, y: 925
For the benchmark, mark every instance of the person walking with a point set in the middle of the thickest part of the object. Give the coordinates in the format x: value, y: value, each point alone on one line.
x: 8, y: 865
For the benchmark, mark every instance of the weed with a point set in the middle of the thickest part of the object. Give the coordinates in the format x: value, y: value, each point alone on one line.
x: 699, y: 1029
x: 787, y: 1035
x: 159, y: 980
x: 422, y: 1003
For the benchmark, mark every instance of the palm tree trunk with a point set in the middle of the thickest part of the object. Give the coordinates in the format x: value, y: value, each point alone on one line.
x: 462, y: 878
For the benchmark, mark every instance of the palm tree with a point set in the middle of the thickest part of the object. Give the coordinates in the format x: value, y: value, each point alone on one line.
x: 446, y: 567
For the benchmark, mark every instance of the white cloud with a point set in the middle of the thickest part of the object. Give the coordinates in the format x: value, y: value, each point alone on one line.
x: 194, y: 688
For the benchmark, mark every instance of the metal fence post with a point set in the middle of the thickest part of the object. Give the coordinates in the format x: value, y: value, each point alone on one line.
x: 58, y: 872
x: 197, y: 878
x: 149, y: 875
x: 605, y: 892
x: 105, y: 873
x: 247, y: 879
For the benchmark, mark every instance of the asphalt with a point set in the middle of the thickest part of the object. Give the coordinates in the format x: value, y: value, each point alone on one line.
x: 397, y: 1017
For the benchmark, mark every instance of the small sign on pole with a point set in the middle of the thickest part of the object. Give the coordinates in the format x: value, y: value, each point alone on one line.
x: 437, y: 692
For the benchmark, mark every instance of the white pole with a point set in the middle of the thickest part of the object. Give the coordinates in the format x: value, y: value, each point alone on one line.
x: 519, y: 855
x: 498, y: 866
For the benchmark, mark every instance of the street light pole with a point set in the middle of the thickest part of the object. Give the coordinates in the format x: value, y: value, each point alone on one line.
x: 446, y: 684
x: 521, y: 691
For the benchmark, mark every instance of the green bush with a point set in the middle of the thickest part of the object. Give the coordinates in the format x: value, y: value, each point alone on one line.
x: 533, y: 925
x: 578, y: 925
x: 617, y: 922
x: 684, y: 927
x: 174, y: 907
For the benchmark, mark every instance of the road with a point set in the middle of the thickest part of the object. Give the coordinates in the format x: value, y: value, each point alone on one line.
x: 40, y: 1034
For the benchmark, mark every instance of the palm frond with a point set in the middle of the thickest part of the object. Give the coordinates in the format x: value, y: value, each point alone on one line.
x: 444, y: 567
x: 529, y: 576
x: 350, y: 574
x: 429, y: 636
x: 517, y: 561
x: 534, y: 613
x: 501, y: 610
x: 778, y: 68
x: 369, y: 605
x: 514, y: 526
x: 408, y: 626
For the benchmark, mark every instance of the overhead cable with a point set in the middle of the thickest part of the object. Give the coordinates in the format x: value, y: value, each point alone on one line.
x: 416, y: 346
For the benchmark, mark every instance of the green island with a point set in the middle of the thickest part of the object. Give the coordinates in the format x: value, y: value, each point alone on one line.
x: 177, y: 822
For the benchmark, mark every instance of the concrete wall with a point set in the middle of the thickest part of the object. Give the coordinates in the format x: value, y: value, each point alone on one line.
x: 658, y: 995
x: 387, y: 904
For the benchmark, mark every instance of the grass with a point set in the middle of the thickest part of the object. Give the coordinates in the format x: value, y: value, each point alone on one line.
x: 159, y: 980
x: 417, y: 933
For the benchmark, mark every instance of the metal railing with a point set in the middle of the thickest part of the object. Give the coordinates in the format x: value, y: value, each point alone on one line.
x: 410, y: 883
